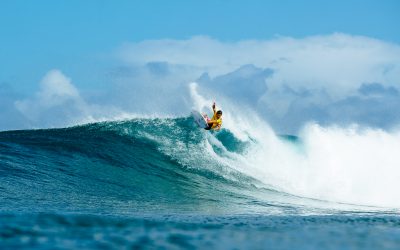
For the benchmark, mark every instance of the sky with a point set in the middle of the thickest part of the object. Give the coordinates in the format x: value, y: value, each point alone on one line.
x: 103, y: 48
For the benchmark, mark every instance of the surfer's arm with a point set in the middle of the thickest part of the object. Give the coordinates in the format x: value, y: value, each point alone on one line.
x: 213, y: 107
x: 212, y: 122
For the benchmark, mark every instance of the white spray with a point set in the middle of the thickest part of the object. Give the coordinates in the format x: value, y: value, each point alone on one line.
x: 347, y: 165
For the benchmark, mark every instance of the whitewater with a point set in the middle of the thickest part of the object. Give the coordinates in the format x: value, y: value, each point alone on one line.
x: 352, y: 165
x: 164, y: 183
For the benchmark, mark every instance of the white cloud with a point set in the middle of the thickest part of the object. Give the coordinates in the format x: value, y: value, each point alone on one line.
x: 317, y: 78
x: 58, y: 103
x: 56, y: 88
x: 312, y: 77
x: 337, y: 62
x: 57, y: 96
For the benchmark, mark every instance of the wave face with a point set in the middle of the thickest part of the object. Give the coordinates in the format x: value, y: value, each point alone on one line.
x: 145, y: 165
x: 137, y: 165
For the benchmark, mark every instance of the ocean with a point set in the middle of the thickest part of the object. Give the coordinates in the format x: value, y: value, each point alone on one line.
x: 163, y: 183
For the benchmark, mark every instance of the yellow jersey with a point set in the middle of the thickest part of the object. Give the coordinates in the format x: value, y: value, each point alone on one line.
x: 218, y: 121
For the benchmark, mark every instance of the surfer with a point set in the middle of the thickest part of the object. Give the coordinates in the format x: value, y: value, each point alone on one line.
x: 215, y: 122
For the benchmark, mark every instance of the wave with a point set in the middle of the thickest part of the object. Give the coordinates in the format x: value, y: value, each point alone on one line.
x: 160, y: 164
x: 135, y: 165
x: 146, y: 164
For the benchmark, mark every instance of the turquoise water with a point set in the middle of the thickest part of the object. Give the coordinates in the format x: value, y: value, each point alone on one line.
x: 163, y: 183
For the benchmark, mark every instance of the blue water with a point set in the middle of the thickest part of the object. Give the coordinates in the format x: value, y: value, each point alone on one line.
x: 151, y: 184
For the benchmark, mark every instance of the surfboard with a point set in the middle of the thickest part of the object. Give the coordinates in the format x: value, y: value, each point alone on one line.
x: 199, y: 119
